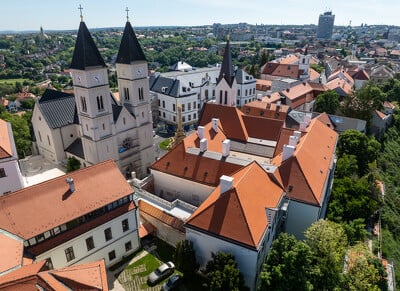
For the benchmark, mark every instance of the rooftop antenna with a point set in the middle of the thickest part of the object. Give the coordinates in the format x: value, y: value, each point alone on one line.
x: 81, y: 8
x: 127, y: 14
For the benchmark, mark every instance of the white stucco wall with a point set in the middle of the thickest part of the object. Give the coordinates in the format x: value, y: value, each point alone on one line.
x: 299, y: 217
x: 177, y: 188
x: 102, y: 247
x: 204, y: 245
x: 13, y: 179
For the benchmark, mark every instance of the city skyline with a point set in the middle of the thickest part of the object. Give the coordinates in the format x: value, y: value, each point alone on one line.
x: 21, y: 15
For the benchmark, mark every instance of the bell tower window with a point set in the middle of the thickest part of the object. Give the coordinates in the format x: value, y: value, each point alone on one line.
x: 126, y: 94
x: 100, y: 105
x: 83, y: 104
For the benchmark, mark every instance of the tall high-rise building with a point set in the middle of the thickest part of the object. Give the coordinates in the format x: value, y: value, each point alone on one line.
x: 325, y: 25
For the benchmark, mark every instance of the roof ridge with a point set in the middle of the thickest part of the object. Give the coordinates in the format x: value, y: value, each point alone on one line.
x: 56, y: 178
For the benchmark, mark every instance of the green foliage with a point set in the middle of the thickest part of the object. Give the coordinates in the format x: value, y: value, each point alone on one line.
x: 73, y: 164
x: 355, y: 231
x: 327, y: 102
x: 364, y: 272
x: 363, y: 102
x: 223, y: 273
x: 353, y: 142
x: 317, y: 68
x: 184, y: 258
x: 20, y: 128
x: 28, y: 103
x: 346, y: 166
x: 328, y: 242
x: 288, y: 266
x: 351, y: 199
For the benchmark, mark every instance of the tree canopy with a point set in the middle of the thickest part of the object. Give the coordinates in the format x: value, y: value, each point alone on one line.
x: 185, y: 258
x: 327, y: 102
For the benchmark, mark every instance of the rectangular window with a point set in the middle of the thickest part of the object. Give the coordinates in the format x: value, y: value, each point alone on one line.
x: 125, y: 225
x: 159, y: 102
x: 174, y: 118
x: 238, y: 92
x: 108, y: 234
x: 49, y: 264
x: 163, y: 104
x: 189, y: 106
x: 111, y: 255
x: 40, y: 136
x: 183, y: 119
x: 48, y: 140
x: 90, y: 243
x: 194, y: 104
x: 173, y: 107
x: 126, y: 93
x: 2, y: 173
x: 194, y: 115
x: 128, y: 246
x: 83, y: 104
x: 69, y: 254
x: 163, y: 114
x: 183, y: 107
x: 189, y: 117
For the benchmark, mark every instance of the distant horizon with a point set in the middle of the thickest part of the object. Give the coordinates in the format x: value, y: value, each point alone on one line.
x: 56, y: 15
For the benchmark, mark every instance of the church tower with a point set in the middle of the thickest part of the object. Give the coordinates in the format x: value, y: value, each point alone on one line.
x: 226, y: 87
x: 93, y: 100
x: 133, y: 85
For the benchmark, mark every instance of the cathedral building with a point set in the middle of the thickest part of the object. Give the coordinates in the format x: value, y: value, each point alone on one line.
x: 93, y: 126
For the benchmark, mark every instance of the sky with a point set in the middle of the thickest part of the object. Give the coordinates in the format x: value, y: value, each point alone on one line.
x: 22, y: 15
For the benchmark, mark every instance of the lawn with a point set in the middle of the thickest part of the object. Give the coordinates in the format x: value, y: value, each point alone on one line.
x: 12, y: 81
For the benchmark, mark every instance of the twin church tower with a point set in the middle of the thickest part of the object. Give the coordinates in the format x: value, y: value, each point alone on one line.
x: 113, y: 129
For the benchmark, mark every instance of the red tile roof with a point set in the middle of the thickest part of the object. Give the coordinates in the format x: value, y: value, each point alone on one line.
x: 36, y: 209
x: 266, y: 109
x: 240, y: 213
x: 194, y: 167
x: 230, y: 118
x: 340, y: 84
x: 90, y: 276
x: 11, y: 252
x: 5, y: 142
x: 307, y: 170
x: 263, y: 128
x: 166, y: 218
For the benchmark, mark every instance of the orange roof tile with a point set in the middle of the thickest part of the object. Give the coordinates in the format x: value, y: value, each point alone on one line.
x: 380, y: 114
x: 240, y: 213
x: 324, y: 118
x: 307, y: 170
x: 266, y: 110
x: 162, y: 216
x: 5, y: 142
x: 92, y: 275
x: 11, y: 252
x: 274, y: 97
x: 340, y: 84
x: 314, y: 74
x: 284, y: 139
x: 298, y: 91
x: 286, y: 70
x: 263, y: 128
x: 340, y: 73
x: 230, y: 118
x: 389, y: 105
x: 290, y: 59
x: 51, y: 203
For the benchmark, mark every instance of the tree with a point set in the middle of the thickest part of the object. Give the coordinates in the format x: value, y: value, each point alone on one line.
x: 363, y: 102
x: 355, y: 231
x: 223, y: 273
x: 353, y: 142
x: 21, y: 133
x: 327, y: 102
x: 364, y: 272
x: 346, y: 166
x: 73, y: 164
x: 185, y: 258
x: 288, y: 266
x: 328, y: 242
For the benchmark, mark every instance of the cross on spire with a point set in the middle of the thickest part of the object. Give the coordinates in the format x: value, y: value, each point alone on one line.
x: 81, y: 8
x: 127, y: 14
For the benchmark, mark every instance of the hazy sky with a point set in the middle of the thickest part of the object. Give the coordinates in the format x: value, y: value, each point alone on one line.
x: 56, y: 14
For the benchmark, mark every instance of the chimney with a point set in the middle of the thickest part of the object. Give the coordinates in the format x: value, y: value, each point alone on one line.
x: 307, y: 118
x: 303, y: 126
x: 288, y: 151
x: 71, y: 184
x: 293, y: 140
x: 203, y: 145
x: 259, y: 96
x: 215, y: 122
x: 133, y: 175
x: 200, y: 132
x: 226, y: 147
x: 225, y: 183
x: 297, y: 134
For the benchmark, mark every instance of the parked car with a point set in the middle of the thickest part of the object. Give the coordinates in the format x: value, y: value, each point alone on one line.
x: 160, y: 273
x: 173, y: 282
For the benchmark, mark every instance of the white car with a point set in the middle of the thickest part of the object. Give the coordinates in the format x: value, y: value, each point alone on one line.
x: 160, y: 273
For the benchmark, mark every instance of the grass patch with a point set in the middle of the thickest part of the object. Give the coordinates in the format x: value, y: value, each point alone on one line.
x: 126, y: 260
x: 165, y: 143
x: 150, y: 261
x: 12, y: 81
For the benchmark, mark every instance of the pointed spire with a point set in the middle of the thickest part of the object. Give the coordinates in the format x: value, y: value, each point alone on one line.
x: 129, y: 49
x: 227, y: 72
x: 86, y: 53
